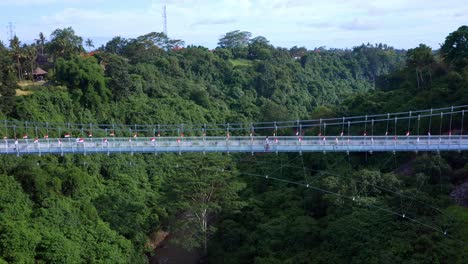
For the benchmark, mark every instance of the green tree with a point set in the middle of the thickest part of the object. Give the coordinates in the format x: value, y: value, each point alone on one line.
x: 64, y: 43
x: 17, y: 54
x: 420, y: 59
x: 18, y: 238
x: 297, y: 51
x: 89, y: 43
x: 119, y: 79
x: 259, y: 48
x: 116, y: 45
x: 56, y: 248
x: 41, y: 42
x: 376, y: 60
x: 235, y: 39
x: 455, y: 48
x: 223, y: 53
x: 204, y: 187
x: 148, y: 46
x: 30, y: 57
x: 8, y: 82
x: 271, y: 111
x: 85, y: 81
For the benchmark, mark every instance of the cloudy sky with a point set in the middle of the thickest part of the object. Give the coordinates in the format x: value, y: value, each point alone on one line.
x: 286, y: 23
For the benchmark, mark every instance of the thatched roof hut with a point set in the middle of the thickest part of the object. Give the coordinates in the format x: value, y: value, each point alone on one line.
x: 38, y: 72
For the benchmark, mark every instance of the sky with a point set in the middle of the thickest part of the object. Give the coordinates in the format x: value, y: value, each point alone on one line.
x: 402, y: 24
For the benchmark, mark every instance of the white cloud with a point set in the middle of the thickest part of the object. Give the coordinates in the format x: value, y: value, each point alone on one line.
x: 332, y: 23
x: 99, y: 23
x: 359, y: 24
x: 30, y: 3
x: 211, y: 22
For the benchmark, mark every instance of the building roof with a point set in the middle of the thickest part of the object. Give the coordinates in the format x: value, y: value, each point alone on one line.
x: 39, y: 71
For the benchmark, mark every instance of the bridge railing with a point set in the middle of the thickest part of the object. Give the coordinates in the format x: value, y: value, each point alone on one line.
x: 239, y: 144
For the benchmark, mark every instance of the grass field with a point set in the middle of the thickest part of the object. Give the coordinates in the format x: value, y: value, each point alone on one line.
x: 28, y: 87
x: 241, y: 62
x: 21, y: 92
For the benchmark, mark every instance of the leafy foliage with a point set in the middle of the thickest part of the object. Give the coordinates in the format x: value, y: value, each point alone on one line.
x: 455, y: 47
x: 64, y: 43
x: 103, y: 209
x: 8, y: 82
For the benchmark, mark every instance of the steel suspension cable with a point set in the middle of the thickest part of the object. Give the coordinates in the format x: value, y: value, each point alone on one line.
x: 391, y: 157
x: 419, y: 120
x: 450, y: 126
x: 463, y: 117
x: 320, y: 129
x: 409, y: 125
x: 379, y: 208
x: 342, y: 127
x: 430, y: 124
x: 73, y: 128
x: 441, y: 122
x: 365, y: 126
x: 388, y: 120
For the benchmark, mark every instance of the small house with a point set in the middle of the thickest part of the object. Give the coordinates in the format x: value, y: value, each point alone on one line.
x: 39, y: 74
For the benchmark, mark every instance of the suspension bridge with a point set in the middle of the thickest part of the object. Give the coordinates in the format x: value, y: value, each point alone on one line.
x: 440, y: 129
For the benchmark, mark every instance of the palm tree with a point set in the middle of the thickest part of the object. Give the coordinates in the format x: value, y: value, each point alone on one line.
x: 89, y: 43
x: 17, y: 54
x: 31, y: 56
x: 41, y: 41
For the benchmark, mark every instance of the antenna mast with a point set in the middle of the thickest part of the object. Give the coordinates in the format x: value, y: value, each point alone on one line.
x: 11, y: 29
x: 164, y: 15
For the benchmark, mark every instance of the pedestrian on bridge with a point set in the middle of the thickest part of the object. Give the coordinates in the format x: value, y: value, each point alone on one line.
x: 267, y: 143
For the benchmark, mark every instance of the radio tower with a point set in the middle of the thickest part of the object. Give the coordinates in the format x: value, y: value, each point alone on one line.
x: 11, y: 29
x: 164, y: 15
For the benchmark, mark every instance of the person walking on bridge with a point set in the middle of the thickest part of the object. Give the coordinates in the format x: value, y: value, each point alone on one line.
x: 267, y: 144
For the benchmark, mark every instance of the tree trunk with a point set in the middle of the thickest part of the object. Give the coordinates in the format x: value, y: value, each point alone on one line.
x: 20, y: 71
x: 423, y: 83
x: 32, y: 69
x: 430, y: 78
x: 205, y: 232
x: 417, y: 77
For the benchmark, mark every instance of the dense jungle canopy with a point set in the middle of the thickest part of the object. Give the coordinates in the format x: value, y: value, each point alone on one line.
x: 109, y: 209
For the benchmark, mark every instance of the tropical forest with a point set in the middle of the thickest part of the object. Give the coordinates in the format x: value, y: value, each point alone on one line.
x: 406, y: 207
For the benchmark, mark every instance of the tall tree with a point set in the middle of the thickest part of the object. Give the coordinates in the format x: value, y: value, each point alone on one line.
x: 376, y: 60
x: 85, y: 80
x: 235, y: 39
x: 420, y: 59
x: 158, y: 39
x: 455, y: 48
x: 17, y: 54
x: 41, y: 42
x: 259, y: 48
x: 298, y: 51
x: 89, y: 43
x: 30, y: 56
x: 64, y: 43
x: 118, y: 76
x: 150, y: 45
x: 116, y: 45
x: 8, y: 81
x: 18, y: 238
x: 202, y: 188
